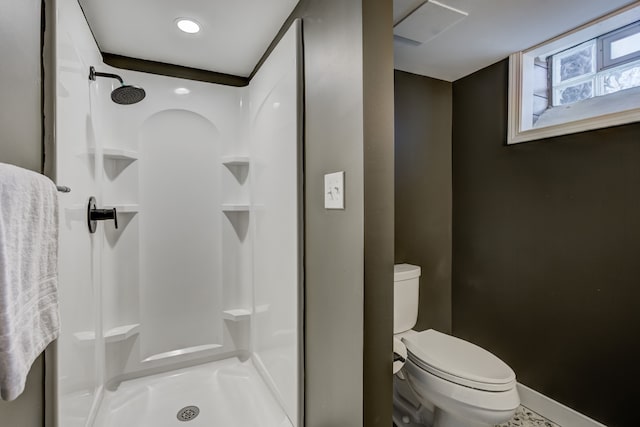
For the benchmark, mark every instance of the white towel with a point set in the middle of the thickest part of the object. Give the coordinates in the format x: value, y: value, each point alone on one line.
x: 29, y: 318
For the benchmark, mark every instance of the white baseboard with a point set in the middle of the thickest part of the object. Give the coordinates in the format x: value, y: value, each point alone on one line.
x: 552, y: 410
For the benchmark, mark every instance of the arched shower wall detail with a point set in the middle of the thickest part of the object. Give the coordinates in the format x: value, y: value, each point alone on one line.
x: 175, y: 244
x: 180, y: 249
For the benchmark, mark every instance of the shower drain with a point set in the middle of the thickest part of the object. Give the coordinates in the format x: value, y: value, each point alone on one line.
x: 188, y: 413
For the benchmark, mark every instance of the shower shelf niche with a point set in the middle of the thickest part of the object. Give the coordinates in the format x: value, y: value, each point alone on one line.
x: 125, y: 208
x: 121, y: 178
x: 112, y: 153
x: 244, y: 313
x: 119, y: 154
x: 237, y: 314
x: 235, y: 160
x: 239, y: 168
x: 235, y: 207
x: 119, y: 333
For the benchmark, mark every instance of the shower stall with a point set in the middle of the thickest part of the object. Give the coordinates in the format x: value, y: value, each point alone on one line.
x: 190, y: 309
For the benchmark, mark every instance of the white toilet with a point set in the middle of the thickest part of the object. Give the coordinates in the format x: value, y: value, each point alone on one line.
x: 445, y: 381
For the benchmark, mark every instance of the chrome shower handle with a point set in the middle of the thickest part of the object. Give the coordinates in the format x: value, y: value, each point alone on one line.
x: 94, y: 215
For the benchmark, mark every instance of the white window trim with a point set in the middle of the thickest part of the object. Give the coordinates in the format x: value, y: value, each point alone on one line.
x: 521, y: 64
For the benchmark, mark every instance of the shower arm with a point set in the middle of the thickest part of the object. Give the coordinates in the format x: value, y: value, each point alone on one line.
x: 93, y: 74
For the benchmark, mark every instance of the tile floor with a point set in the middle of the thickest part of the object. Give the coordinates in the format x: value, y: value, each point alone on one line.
x: 525, y: 417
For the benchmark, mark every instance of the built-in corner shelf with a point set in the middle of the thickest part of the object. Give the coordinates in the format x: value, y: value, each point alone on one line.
x: 238, y: 166
x: 119, y: 154
x: 119, y: 333
x: 84, y: 336
x: 236, y: 314
x: 235, y: 160
x: 128, y: 208
x: 235, y: 207
x: 111, y: 153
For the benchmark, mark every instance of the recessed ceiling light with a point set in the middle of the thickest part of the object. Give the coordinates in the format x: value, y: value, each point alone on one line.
x: 181, y: 91
x: 188, y: 25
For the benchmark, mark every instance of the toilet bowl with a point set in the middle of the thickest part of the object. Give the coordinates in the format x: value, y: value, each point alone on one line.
x: 467, y: 385
x: 445, y: 381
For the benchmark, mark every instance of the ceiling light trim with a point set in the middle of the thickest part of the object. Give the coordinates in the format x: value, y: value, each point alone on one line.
x: 188, y: 25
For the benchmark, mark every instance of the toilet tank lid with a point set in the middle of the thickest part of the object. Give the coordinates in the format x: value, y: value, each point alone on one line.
x: 405, y: 272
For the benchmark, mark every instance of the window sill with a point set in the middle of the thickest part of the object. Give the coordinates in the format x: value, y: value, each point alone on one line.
x: 604, y: 111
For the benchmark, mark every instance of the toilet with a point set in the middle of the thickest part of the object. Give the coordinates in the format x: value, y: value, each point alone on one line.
x: 443, y: 381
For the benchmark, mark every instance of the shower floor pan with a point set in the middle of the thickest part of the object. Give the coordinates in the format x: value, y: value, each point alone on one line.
x: 227, y: 393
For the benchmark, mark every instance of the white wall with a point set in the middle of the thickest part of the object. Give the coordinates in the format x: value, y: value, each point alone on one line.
x: 80, y: 349
x: 157, y: 279
x: 175, y: 283
x: 180, y: 238
x: 275, y: 156
x: 172, y: 248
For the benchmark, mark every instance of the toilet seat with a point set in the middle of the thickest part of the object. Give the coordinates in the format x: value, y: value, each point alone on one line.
x: 458, y: 361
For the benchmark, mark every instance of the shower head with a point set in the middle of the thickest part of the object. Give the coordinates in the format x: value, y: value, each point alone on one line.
x: 127, y: 94
x: 123, y: 95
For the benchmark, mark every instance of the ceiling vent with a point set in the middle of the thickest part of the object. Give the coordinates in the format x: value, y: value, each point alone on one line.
x: 427, y: 21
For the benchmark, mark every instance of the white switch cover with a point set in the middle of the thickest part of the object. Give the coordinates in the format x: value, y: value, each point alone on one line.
x: 334, y: 190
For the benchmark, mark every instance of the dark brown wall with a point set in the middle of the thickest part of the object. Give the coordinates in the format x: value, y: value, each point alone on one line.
x: 334, y: 277
x: 546, y: 250
x: 423, y: 191
x: 377, y: 17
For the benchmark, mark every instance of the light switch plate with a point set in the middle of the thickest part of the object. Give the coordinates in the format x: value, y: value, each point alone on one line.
x: 334, y: 190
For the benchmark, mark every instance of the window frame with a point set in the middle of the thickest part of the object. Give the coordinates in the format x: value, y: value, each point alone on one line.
x: 604, y: 46
x: 605, y: 112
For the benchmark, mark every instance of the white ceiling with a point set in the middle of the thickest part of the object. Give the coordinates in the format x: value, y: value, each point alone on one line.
x: 234, y: 33
x: 492, y: 30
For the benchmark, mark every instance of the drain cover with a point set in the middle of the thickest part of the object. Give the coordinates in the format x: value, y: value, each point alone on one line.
x: 188, y: 413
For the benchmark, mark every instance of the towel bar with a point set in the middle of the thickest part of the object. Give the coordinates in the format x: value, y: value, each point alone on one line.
x: 63, y: 189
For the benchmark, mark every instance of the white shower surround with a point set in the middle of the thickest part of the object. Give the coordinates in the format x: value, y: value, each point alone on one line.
x: 205, y: 263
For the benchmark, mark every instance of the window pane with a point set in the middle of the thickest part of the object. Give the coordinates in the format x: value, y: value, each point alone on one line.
x: 577, y: 63
x: 573, y: 93
x: 620, y: 78
x: 625, y: 46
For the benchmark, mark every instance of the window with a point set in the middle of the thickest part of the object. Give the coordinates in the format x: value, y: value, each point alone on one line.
x: 586, y: 79
x: 601, y: 66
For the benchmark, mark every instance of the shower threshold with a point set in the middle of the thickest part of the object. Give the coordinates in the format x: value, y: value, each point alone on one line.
x: 227, y: 393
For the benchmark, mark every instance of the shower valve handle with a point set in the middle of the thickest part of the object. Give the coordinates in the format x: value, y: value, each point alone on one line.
x: 105, y: 214
x: 94, y: 215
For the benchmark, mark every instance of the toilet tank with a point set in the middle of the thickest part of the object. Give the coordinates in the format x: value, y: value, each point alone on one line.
x: 406, y: 280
